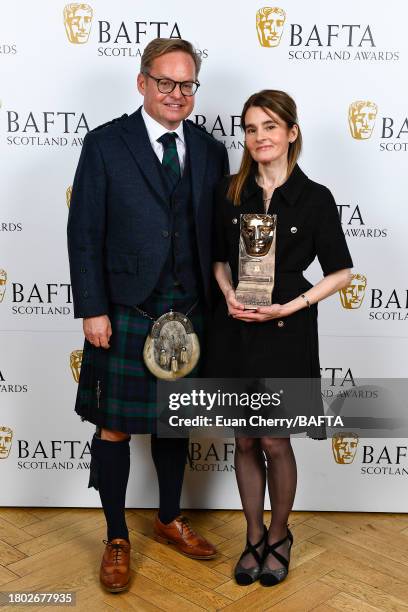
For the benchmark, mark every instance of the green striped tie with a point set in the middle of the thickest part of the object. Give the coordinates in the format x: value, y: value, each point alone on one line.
x: 170, y: 162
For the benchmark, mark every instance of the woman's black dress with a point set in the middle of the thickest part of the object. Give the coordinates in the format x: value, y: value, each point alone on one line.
x: 308, y: 225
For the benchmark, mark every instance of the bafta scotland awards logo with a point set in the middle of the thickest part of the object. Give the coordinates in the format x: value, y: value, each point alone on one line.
x: 3, y: 281
x: 78, y: 21
x: 6, y: 437
x: 352, y: 296
x: 322, y: 41
x: 361, y: 118
x: 344, y: 447
x: 75, y: 362
x: 269, y: 25
x: 68, y: 195
x: 38, y: 298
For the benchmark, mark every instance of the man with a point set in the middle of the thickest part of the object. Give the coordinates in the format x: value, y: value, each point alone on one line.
x: 139, y: 232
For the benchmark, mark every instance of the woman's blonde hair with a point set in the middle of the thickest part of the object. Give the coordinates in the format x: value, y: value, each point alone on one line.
x: 281, y: 104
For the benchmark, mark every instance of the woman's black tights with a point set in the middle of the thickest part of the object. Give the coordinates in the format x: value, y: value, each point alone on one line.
x: 257, y: 461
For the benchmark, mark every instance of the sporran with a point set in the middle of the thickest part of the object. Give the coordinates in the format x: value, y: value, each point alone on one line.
x: 172, y: 348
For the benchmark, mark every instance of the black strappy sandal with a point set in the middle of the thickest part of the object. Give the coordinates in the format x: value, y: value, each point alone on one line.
x: 248, y: 575
x: 271, y: 577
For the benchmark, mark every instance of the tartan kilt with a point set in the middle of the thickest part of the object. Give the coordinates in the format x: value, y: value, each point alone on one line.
x: 116, y: 390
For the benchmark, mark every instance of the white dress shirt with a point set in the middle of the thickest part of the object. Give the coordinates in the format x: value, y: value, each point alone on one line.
x: 156, y: 129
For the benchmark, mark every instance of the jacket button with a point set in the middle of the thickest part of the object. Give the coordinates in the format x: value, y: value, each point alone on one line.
x: 83, y: 269
x: 176, y: 234
x: 235, y: 220
x: 165, y: 233
x: 281, y: 323
x: 293, y: 230
x: 85, y: 294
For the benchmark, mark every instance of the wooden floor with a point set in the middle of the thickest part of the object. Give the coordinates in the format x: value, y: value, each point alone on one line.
x: 340, y: 561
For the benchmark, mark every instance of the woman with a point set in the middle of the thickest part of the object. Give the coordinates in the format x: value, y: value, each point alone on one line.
x: 278, y: 340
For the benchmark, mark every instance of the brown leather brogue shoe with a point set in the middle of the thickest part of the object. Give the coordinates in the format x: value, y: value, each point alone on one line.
x: 115, y: 565
x: 184, y: 538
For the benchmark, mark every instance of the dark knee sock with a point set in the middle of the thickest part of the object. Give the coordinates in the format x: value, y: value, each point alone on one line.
x: 169, y: 457
x: 110, y: 463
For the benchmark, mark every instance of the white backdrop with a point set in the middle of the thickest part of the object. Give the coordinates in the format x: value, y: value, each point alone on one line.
x: 327, y: 56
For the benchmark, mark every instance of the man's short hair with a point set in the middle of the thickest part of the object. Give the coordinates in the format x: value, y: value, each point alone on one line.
x: 161, y: 46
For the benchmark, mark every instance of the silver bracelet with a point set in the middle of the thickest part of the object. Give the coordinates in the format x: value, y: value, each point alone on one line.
x: 306, y: 300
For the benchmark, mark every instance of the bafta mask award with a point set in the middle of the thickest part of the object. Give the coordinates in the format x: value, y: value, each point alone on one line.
x: 256, y: 268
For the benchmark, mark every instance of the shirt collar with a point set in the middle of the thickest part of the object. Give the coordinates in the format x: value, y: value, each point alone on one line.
x: 156, y: 129
x: 290, y: 190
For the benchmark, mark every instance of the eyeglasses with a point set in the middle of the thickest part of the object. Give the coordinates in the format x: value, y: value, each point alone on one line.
x: 166, y: 86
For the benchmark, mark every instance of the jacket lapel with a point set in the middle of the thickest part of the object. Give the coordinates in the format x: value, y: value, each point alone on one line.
x: 197, y: 150
x: 136, y: 138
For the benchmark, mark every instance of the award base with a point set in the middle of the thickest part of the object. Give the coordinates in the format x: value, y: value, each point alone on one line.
x: 256, y: 263
x: 254, y: 294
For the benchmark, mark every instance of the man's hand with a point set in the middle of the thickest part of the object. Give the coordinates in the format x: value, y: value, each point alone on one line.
x: 98, y: 330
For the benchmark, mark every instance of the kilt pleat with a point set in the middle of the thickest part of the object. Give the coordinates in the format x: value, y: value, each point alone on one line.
x: 116, y: 390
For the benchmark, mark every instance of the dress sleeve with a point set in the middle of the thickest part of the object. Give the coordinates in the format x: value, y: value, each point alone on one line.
x: 219, y: 239
x: 330, y: 242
